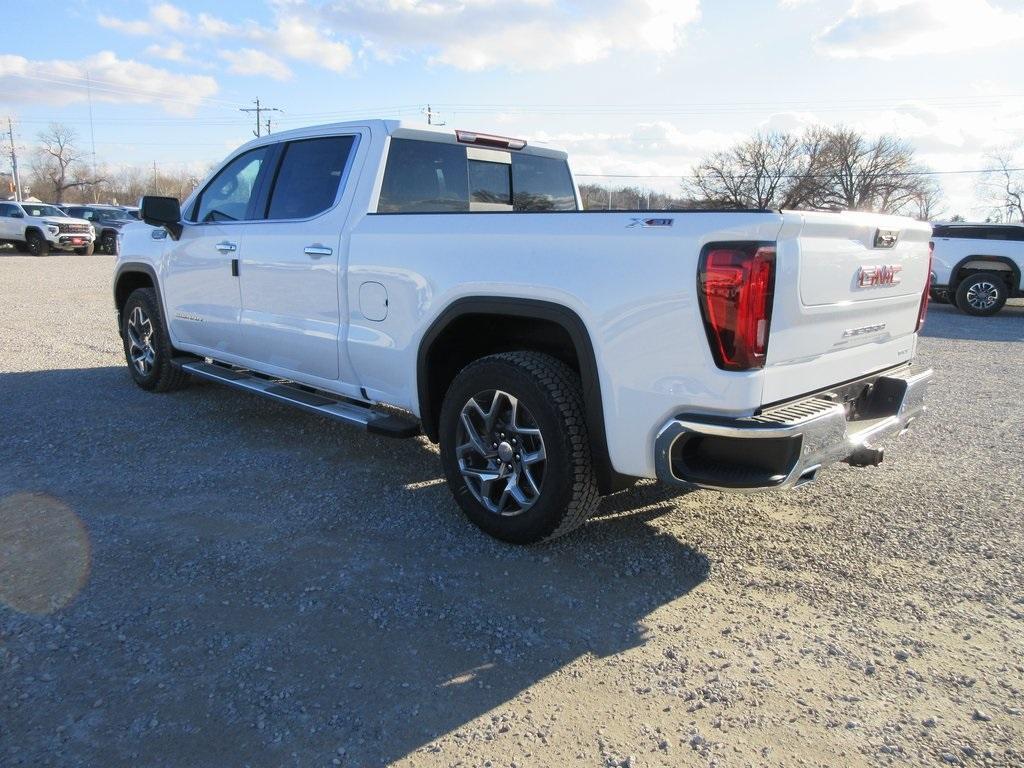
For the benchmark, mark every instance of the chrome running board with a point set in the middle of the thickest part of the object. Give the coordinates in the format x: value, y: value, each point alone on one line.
x: 307, y: 399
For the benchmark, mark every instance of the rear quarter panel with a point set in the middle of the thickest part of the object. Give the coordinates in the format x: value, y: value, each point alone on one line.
x: 633, y: 287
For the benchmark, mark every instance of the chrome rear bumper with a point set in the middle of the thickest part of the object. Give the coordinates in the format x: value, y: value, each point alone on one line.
x: 787, y: 444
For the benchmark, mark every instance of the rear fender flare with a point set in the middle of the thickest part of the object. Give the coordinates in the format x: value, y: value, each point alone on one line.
x: 1004, y: 263
x: 533, y: 309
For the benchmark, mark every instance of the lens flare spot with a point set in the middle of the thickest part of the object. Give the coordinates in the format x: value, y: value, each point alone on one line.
x: 44, y: 553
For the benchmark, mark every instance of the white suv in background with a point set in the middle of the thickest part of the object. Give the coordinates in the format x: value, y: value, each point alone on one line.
x: 977, y: 266
x: 39, y: 228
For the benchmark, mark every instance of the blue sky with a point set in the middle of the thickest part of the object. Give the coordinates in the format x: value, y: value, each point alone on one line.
x: 630, y: 87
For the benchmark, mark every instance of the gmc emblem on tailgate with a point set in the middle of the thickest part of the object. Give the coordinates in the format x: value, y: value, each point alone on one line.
x: 884, y: 274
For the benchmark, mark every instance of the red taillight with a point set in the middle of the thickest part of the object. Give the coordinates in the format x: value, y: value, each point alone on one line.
x: 737, y: 285
x: 923, y: 310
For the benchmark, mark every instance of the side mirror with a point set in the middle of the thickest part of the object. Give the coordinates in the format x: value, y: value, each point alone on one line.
x: 162, y: 212
x: 17, y: 215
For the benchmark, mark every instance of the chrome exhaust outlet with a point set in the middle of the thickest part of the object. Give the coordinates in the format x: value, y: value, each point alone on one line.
x: 865, y: 456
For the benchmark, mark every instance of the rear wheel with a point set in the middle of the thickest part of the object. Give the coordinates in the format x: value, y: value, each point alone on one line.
x: 982, y: 294
x: 108, y: 243
x: 147, y: 347
x: 37, y: 244
x: 515, y: 448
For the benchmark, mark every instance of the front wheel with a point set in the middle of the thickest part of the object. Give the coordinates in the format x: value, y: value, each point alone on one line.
x: 515, y: 447
x: 37, y: 244
x: 147, y: 347
x: 982, y: 294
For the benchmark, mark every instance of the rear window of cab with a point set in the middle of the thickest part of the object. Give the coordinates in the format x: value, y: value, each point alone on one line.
x: 438, y: 177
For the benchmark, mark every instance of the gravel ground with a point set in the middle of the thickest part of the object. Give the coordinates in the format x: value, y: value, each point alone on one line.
x: 205, y: 578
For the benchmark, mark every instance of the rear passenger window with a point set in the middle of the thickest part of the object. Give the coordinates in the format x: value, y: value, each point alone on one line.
x: 490, y: 186
x: 437, y: 177
x: 542, y: 184
x: 424, y: 177
x: 309, y: 176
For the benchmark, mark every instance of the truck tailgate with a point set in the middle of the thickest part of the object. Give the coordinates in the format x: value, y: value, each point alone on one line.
x: 846, y: 301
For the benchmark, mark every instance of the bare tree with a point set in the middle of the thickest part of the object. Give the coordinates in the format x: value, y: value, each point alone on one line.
x: 760, y: 172
x: 56, y: 165
x: 865, y: 174
x: 824, y: 168
x: 1004, y: 186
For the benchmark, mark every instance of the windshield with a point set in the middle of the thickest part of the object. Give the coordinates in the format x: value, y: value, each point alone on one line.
x: 99, y: 214
x: 43, y: 210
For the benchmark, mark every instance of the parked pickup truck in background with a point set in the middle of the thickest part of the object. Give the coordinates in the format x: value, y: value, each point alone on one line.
x: 978, y: 266
x: 408, y: 279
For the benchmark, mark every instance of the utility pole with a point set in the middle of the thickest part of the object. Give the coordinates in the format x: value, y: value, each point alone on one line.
x: 431, y: 116
x: 92, y: 136
x: 259, y: 109
x: 14, y: 161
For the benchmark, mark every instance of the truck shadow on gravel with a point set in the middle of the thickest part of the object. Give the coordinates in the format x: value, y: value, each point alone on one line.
x: 270, y: 588
x: 945, y: 321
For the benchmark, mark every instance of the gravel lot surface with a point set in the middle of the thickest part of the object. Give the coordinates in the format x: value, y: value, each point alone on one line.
x: 205, y: 578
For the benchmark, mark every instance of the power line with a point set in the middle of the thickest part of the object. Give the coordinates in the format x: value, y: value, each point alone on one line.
x: 98, y: 83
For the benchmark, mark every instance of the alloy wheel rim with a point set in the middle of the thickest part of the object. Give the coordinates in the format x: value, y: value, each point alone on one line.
x: 140, y: 341
x: 982, y: 295
x: 501, y: 452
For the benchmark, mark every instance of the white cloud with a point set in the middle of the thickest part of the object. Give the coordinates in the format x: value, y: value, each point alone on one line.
x: 113, y: 80
x: 212, y: 26
x: 141, y: 27
x: 249, y: 61
x: 291, y: 36
x: 163, y: 17
x: 298, y: 39
x: 169, y: 17
x: 173, y: 51
x: 464, y: 34
x: 484, y: 34
x: 887, y: 29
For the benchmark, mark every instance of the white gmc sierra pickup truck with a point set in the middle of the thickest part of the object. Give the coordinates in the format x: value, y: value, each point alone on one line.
x: 408, y: 279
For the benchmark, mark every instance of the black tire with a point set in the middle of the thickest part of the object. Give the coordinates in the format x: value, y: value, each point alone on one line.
x: 552, y: 396
x: 982, y: 294
x: 37, y: 244
x: 87, y: 250
x: 108, y: 243
x: 160, y: 375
